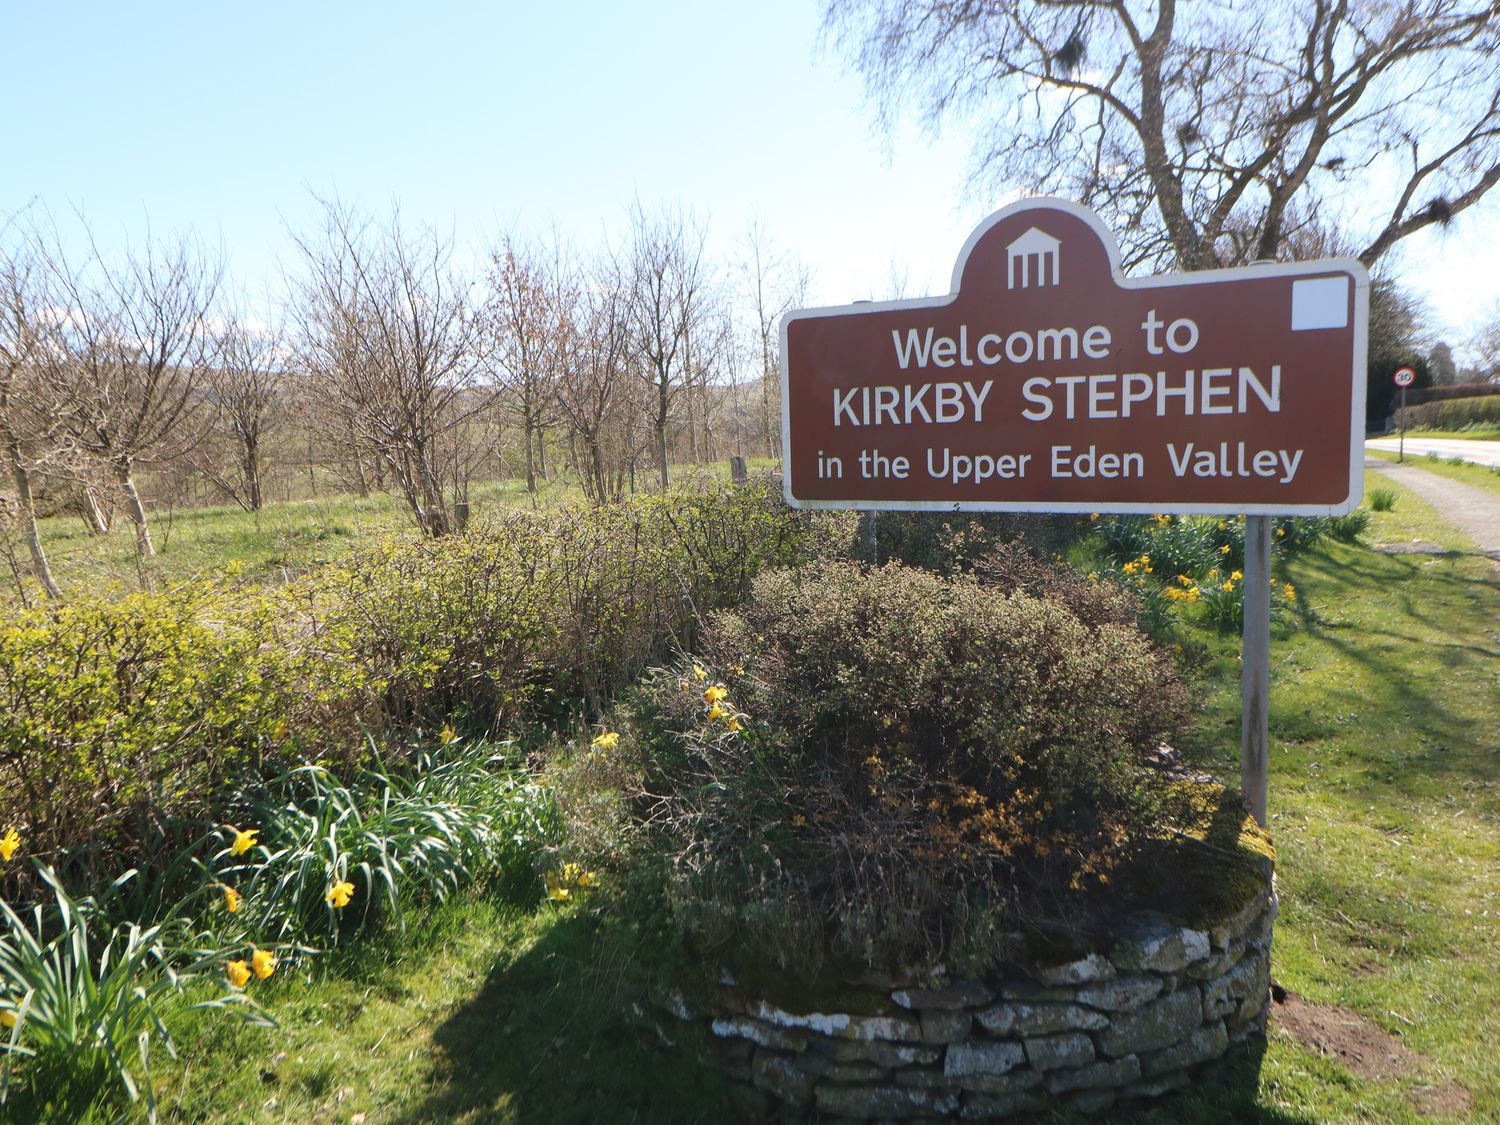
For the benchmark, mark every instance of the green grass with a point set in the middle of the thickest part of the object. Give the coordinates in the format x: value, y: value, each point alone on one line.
x: 1475, y: 432
x: 1480, y: 476
x: 1385, y: 809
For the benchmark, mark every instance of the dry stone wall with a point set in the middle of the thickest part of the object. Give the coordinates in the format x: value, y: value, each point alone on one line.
x: 1129, y: 1024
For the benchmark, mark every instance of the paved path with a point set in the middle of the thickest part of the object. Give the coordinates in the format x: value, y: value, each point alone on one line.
x: 1472, y: 510
x: 1480, y: 452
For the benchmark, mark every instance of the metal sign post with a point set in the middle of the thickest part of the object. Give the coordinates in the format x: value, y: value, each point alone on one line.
x: 1404, y: 378
x: 1255, y: 666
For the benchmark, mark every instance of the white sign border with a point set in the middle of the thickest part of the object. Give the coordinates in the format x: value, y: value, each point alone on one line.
x: 1361, y: 279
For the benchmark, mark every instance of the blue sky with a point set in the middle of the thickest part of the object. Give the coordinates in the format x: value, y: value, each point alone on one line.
x: 485, y: 117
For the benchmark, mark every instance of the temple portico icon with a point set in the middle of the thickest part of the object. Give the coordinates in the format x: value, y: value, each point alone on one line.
x: 1038, y: 246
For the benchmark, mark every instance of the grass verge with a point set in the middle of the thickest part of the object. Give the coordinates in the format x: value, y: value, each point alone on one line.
x: 1479, y: 476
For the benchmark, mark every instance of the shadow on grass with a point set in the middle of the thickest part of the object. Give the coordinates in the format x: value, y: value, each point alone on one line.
x: 1227, y: 1094
x: 558, y: 1033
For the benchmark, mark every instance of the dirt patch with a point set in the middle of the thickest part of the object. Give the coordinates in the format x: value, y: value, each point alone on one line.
x: 1365, y: 1049
x: 1360, y: 1045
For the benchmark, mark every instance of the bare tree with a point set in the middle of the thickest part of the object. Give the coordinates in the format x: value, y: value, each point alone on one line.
x: 388, y: 336
x: 667, y: 276
x: 1485, y: 344
x: 523, y: 318
x: 1206, y: 133
x: 248, y: 393
x: 776, y: 285
x: 32, y: 420
x: 594, y: 381
x: 137, y: 349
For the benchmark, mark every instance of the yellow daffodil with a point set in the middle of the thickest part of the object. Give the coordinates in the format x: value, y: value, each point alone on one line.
x: 734, y: 725
x: 1280, y: 531
x: 244, y: 841
x: 558, y: 893
x: 1093, y: 515
x: 1291, y: 592
x: 232, y: 899
x: 1184, y: 580
x: 1132, y: 567
x: 588, y: 879
x: 606, y: 741
x: 447, y: 734
x: 7, y: 1019
x: 237, y: 972
x: 571, y: 872
x: 1228, y: 586
x: 798, y: 820
x: 263, y: 961
x: 339, y: 894
x: 1237, y: 575
x: 1161, y: 520
x: 1224, y: 550
x: 699, y: 672
x: 715, y: 693
x: 9, y: 843
x: 717, y: 712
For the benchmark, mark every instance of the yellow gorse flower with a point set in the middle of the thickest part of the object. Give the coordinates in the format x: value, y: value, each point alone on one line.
x: 715, y: 693
x: 232, y: 899
x: 9, y: 843
x: 606, y: 741
x: 339, y: 894
x: 244, y: 841
x: 237, y: 972
x: 263, y: 962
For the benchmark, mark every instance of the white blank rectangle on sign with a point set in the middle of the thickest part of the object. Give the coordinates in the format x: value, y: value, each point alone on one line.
x: 1322, y: 302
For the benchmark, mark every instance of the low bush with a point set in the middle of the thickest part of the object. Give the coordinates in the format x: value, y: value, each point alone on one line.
x: 887, y: 766
x: 1382, y: 499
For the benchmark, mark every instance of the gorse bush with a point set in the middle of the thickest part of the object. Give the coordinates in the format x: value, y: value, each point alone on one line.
x: 887, y: 765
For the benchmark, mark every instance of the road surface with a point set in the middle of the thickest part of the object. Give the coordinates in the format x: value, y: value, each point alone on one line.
x: 1479, y: 452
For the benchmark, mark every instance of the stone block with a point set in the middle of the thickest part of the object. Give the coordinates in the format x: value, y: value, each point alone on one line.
x: 884, y: 1101
x: 1053, y: 1052
x: 1034, y: 993
x: 1206, y: 1043
x: 895, y: 1028
x: 823, y: 1023
x: 1015, y: 1017
x: 1111, y: 1073
x: 1120, y: 994
x: 1224, y: 995
x: 1090, y: 1102
x: 780, y: 1075
x: 945, y: 1027
x: 761, y: 1034
x: 1011, y: 1083
x: 1155, y: 1087
x: 1159, y: 1024
x: 878, y: 1052
x: 1218, y: 963
x: 1238, y: 924
x: 852, y: 1074
x: 987, y: 1107
x: 982, y: 1058
x: 959, y: 994
x: 1152, y: 943
x: 1082, y: 971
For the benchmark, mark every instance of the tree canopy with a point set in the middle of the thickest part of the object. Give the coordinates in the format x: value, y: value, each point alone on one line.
x: 1208, y: 134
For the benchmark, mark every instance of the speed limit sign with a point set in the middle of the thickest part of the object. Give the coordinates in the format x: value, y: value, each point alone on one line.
x: 1405, y: 376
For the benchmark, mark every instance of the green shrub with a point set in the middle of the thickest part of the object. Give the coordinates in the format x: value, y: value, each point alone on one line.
x: 116, y: 713
x: 1452, y: 414
x: 899, y: 766
x: 84, y: 1002
x: 1382, y: 499
x: 532, y: 615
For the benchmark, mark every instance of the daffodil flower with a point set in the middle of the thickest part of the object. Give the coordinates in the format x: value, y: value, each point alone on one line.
x: 9, y: 843
x: 263, y: 962
x: 717, y: 712
x: 237, y: 972
x: 244, y: 841
x: 447, y: 735
x: 1237, y: 575
x: 339, y: 894
x: 734, y: 725
x: 699, y: 672
x: 1291, y: 592
x: 232, y: 899
x: 570, y: 872
x: 588, y: 879
x: 606, y: 741
x: 715, y: 693
x: 7, y: 1019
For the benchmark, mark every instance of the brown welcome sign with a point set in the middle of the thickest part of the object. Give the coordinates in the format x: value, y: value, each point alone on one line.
x: 1048, y: 381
